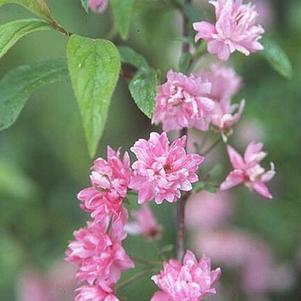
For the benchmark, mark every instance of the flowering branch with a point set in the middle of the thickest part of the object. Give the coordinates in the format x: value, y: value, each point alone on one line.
x: 184, y: 132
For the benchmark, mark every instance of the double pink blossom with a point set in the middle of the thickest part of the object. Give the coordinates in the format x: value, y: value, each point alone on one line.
x: 235, y: 29
x: 144, y: 224
x: 191, y: 280
x: 98, y: 6
x: 94, y: 293
x: 110, y: 179
x: 99, y: 255
x: 225, y: 83
x: 248, y: 170
x: 162, y: 169
x: 181, y: 102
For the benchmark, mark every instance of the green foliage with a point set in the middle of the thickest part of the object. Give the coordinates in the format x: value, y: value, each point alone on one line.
x: 94, y: 67
x: 13, y: 31
x: 130, y: 56
x: 85, y: 4
x: 277, y: 58
x: 143, y: 85
x: 122, y: 13
x: 184, y: 62
x: 38, y: 7
x: 143, y: 90
x: 17, y: 86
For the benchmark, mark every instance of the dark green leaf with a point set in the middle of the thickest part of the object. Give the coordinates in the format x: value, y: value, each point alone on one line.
x: 17, y: 86
x: 277, y: 58
x: 192, y: 13
x: 38, y: 7
x: 122, y: 13
x: 11, y: 32
x: 130, y: 56
x: 94, y: 67
x: 143, y: 90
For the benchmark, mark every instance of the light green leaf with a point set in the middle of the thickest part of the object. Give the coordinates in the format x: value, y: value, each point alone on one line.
x: 277, y: 58
x: 13, y: 31
x: 94, y: 67
x: 38, y: 7
x: 17, y: 86
x: 130, y: 56
x: 185, y: 62
x: 143, y: 90
x: 85, y: 4
x: 122, y: 13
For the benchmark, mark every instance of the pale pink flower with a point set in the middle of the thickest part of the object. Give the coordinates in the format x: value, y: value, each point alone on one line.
x: 98, y: 6
x: 99, y: 255
x: 94, y: 293
x: 181, y: 102
x: 248, y: 170
x: 163, y: 169
x: 110, y: 179
x: 225, y: 83
x: 33, y: 286
x: 144, y: 224
x: 235, y: 29
x: 187, y: 281
x: 206, y: 210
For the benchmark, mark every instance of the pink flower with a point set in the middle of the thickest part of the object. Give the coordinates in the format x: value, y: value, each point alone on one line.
x: 163, y: 169
x: 225, y: 84
x: 181, y: 102
x: 100, y: 257
x: 94, y: 293
x: 33, y: 286
x: 187, y: 281
x: 145, y: 224
x: 205, y: 210
x: 110, y: 180
x: 98, y: 6
x: 235, y: 29
x: 247, y: 170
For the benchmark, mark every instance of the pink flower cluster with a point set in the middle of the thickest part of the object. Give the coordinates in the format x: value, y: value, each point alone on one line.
x: 187, y: 281
x: 248, y: 170
x: 198, y: 101
x: 182, y: 102
x: 163, y: 169
x: 97, y: 249
x: 235, y: 29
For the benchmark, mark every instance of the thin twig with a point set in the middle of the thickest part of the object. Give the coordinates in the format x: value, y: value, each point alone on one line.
x: 211, y: 147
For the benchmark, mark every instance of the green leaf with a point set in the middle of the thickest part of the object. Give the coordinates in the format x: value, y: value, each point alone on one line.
x: 185, y: 61
x: 143, y: 90
x: 13, y: 31
x: 130, y: 56
x: 18, y: 85
x: 122, y: 13
x: 38, y: 7
x: 94, y: 67
x: 192, y: 13
x: 277, y: 58
x: 85, y: 4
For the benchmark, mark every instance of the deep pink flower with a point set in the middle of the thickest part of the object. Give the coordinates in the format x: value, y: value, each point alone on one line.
x: 187, y: 281
x: 110, y: 179
x: 94, y: 293
x: 163, y: 169
x: 98, y: 6
x: 235, y: 29
x: 225, y: 83
x: 247, y: 170
x: 99, y: 254
x: 181, y: 102
x: 144, y: 223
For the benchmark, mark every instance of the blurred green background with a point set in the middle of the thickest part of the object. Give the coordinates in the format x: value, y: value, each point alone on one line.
x: 44, y: 160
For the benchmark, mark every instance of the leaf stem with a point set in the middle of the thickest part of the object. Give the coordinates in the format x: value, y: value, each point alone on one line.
x: 212, y: 146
